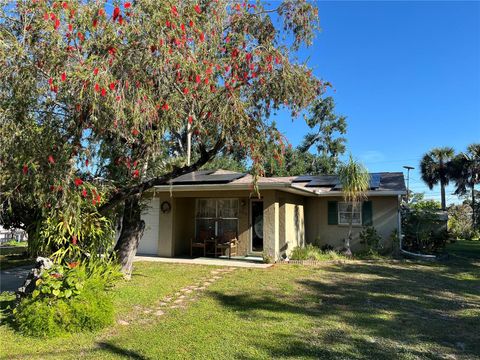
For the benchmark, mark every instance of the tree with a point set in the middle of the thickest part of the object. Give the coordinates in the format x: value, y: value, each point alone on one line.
x: 434, y: 168
x: 355, y: 181
x: 465, y: 171
x: 95, y: 104
x: 329, y: 146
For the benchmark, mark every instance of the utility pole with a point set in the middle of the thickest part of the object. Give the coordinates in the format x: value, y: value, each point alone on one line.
x: 408, y: 180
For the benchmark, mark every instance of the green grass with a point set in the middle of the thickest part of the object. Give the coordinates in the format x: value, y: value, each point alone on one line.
x: 356, y: 310
x: 11, y: 243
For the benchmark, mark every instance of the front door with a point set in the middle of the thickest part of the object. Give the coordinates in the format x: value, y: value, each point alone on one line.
x: 256, y: 222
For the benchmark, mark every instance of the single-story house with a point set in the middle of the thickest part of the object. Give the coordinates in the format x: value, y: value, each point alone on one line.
x: 290, y: 212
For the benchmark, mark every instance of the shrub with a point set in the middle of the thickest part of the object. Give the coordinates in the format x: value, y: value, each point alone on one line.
x: 311, y: 252
x: 67, y: 299
x: 370, y: 238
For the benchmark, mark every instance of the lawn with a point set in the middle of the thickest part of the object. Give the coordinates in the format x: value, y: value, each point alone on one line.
x: 355, y: 310
x: 14, y: 255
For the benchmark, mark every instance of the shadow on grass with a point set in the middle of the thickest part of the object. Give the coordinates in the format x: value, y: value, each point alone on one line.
x: 129, y: 354
x: 375, y: 311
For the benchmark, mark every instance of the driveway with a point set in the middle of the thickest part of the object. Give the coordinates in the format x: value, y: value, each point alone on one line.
x: 12, y: 279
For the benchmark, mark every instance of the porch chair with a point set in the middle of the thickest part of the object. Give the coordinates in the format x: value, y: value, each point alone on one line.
x: 200, y: 242
x: 228, y: 242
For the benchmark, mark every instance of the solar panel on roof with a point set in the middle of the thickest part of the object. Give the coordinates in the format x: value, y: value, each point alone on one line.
x: 196, y: 178
x: 375, y: 181
x: 322, y: 181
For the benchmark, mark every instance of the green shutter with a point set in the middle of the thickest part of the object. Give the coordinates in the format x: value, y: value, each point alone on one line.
x: 367, y: 213
x: 333, y: 213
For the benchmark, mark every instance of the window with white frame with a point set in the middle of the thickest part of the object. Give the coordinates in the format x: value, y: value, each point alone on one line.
x: 216, y: 217
x: 345, y: 213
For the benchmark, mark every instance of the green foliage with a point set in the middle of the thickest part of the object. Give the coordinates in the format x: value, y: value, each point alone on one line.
x: 424, y: 229
x: 460, y: 222
x: 370, y: 238
x: 312, y: 252
x: 73, y: 237
x: 48, y: 316
x: 69, y: 298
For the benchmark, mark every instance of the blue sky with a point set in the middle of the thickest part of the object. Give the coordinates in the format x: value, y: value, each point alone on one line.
x: 407, y: 76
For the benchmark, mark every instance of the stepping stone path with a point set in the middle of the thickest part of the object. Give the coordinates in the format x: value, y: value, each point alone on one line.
x: 179, y: 300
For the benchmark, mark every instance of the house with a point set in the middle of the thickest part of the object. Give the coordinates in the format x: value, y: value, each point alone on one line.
x: 291, y: 211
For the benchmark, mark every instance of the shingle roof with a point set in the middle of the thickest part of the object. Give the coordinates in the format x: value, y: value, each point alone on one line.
x: 379, y: 182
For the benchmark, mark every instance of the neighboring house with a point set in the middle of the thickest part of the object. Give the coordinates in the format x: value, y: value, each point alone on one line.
x: 291, y: 211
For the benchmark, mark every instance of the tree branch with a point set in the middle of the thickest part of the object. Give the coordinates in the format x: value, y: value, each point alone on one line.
x: 122, y: 194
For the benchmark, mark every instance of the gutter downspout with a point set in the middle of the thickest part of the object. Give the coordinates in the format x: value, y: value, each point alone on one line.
x: 400, y: 237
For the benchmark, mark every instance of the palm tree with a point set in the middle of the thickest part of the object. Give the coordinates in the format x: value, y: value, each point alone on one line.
x: 465, y: 170
x: 434, y: 168
x: 355, y: 181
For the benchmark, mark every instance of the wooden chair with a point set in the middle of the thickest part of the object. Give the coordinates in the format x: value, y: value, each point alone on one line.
x: 228, y: 242
x: 200, y: 242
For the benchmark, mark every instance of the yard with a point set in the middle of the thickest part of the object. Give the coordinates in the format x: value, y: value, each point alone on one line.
x: 358, y: 310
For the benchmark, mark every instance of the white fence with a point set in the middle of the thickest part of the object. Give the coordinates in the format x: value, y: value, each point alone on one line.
x: 13, y: 234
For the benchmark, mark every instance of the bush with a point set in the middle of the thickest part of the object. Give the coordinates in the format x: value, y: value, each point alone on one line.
x: 311, y: 252
x: 370, y: 238
x: 67, y: 299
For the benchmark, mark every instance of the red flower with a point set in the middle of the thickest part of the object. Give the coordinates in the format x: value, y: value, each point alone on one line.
x: 127, y: 5
x: 165, y: 107
x: 50, y: 81
x: 80, y: 36
x: 57, y: 24
x: 84, y: 193
x: 135, y: 173
x: 185, y: 91
x: 97, y: 87
x: 104, y: 92
x: 64, y: 77
x: 64, y: 5
x: 202, y: 37
x: 95, y: 71
x: 51, y: 160
x: 174, y: 10
x: 116, y: 13
x: 197, y: 9
x: 135, y: 132
x: 75, y: 263
x: 86, y: 162
x: 25, y: 169
x: 74, y: 239
x: 78, y: 182
x: 190, y: 23
x: 101, y: 12
x: 190, y: 120
x: 112, y: 86
x: 70, y: 27
x: 198, y: 79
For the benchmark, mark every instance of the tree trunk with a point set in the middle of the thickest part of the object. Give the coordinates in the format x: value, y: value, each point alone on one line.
x: 132, y: 231
x: 348, y: 251
x: 473, y: 208
x: 442, y: 192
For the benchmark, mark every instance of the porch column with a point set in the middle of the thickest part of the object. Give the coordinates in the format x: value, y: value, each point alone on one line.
x: 271, y: 225
x: 165, y: 229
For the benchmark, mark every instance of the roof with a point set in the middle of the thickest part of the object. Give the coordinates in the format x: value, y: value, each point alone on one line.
x: 382, y: 183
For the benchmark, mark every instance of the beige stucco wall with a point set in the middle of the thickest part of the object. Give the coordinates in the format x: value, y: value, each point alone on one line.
x: 384, y: 216
x: 291, y: 222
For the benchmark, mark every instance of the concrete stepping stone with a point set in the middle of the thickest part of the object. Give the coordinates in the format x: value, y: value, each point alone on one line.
x: 148, y: 311
x: 159, y: 313
x: 179, y: 301
x: 123, y: 322
x: 188, y: 291
x: 162, y: 304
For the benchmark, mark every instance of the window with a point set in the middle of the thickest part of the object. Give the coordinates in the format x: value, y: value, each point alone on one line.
x: 216, y: 217
x: 345, y: 213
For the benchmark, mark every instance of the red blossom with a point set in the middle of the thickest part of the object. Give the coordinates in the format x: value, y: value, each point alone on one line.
x: 135, y: 132
x: 135, y: 173
x: 103, y: 92
x: 97, y: 87
x: 78, y: 182
x: 202, y: 37
x: 112, y: 86
x: 95, y: 71
x: 51, y: 160
x: 64, y: 5
x: 74, y: 264
x: 116, y: 13
x: 185, y: 91
x: 57, y: 24
x: 174, y: 10
x: 101, y: 12
x: 64, y: 77
x: 25, y: 169
x: 198, y: 79
x: 80, y: 36
x: 84, y: 193
x: 197, y: 9
x: 127, y: 5
x: 165, y: 107
x: 74, y: 239
x: 190, y: 120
